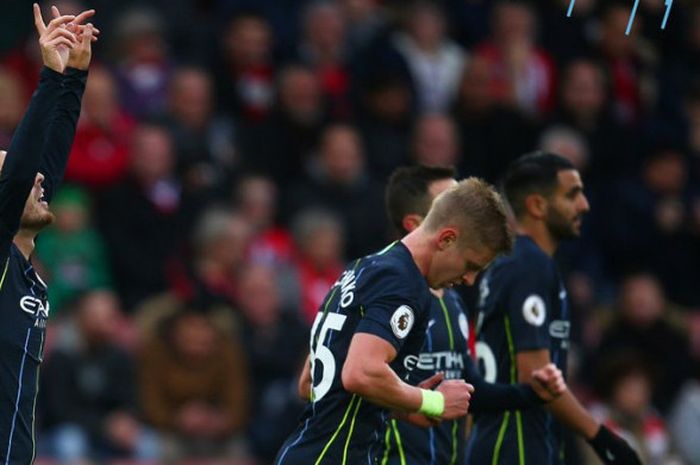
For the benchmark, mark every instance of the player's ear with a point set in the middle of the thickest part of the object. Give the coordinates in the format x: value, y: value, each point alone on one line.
x: 447, y: 237
x: 411, y: 221
x: 536, y: 205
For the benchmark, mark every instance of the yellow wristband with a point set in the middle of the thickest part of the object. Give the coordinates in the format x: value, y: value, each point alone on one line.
x: 433, y: 403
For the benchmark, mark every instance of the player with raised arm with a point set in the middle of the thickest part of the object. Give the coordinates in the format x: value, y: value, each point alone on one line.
x: 408, y: 197
x: 375, y: 315
x: 523, y: 322
x: 30, y: 171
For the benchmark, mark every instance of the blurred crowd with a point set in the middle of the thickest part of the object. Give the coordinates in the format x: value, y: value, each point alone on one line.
x: 231, y: 156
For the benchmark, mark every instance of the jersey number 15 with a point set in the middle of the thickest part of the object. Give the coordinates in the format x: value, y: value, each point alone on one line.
x: 320, y: 353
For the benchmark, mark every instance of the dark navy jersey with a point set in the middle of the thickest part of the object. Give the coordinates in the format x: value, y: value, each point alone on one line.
x: 382, y: 294
x: 522, y: 307
x: 444, y: 350
x: 41, y: 143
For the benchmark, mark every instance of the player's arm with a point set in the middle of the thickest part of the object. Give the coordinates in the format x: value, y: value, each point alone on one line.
x: 367, y: 372
x: 61, y: 131
x: 568, y: 410
x: 23, y: 157
x: 548, y: 384
x: 304, y: 384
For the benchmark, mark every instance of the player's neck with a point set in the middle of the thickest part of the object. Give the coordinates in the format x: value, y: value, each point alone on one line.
x: 538, y: 232
x: 417, y: 243
x: 24, y: 240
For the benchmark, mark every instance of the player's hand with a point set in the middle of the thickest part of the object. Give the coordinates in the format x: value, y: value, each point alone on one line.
x: 548, y: 382
x: 80, y: 55
x: 457, y: 395
x: 432, y: 382
x: 55, y: 40
x: 613, y: 450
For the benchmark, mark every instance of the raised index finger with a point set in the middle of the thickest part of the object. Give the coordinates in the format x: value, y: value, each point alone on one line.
x: 83, y: 16
x: 39, y: 20
x: 61, y: 20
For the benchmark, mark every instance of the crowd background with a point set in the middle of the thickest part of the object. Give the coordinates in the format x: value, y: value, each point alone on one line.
x: 231, y: 156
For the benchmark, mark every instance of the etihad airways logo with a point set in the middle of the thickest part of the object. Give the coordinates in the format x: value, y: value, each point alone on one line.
x: 34, y: 306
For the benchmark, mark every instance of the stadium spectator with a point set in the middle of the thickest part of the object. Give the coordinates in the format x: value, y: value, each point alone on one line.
x: 684, y: 422
x: 482, y: 119
x: 275, y: 341
x: 194, y: 388
x: 143, y: 63
x: 318, y: 236
x: 72, y: 252
x: 435, y: 141
x: 645, y: 324
x: 626, y: 387
x: 337, y: 180
x: 322, y: 47
x: 245, y: 78
x: 282, y: 145
x: 89, y: 391
x: 206, y: 151
x: 100, y: 153
x: 143, y: 218
x: 435, y: 63
x: 523, y: 74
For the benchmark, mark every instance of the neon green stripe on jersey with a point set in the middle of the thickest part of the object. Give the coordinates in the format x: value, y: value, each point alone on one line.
x: 513, y: 380
x: 448, y: 323
x: 337, y: 431
x: 455, y: 426
x: 4, y: 273
x: 397, y: 436
x: 511, y: 352
x: 387, y: 444
x: 521, y: 443
x: 387, y: 248
x: 328, y: 301
x: 501, y: 435
x: 352, y: 428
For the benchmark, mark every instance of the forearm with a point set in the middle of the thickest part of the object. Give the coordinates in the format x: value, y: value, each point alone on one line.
x: 24, y: 154
x: 378, y: 383
x: 61, y: 132
x: 567, y: 409
x: 496, y: 397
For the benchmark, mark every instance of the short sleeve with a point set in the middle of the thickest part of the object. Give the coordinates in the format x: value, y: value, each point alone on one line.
x: 528, y: 304
x: 389, y: 306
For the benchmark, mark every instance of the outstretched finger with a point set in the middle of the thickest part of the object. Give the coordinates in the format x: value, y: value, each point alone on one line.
x: 433, y: 381
x: 60, y: 21
x: 83, y: 16
x: 38, y: 20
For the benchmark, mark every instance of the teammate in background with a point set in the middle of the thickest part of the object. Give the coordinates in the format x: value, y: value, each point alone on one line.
x: 408, y: 197
x: 375, y: 315
x: 523, y: 322
x: 30, y: 171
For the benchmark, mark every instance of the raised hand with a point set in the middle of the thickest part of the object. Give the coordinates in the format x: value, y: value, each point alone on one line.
x: 80, y: 55
x: 457, y: 395
x: 55, y: 40
x: 548, y: 382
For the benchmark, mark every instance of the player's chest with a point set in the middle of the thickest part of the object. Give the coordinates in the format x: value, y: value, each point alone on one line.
x: 23, y: 298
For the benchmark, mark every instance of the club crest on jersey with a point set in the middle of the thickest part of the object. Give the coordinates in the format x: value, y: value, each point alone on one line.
x: 534, y: 310
x: 402, y: 321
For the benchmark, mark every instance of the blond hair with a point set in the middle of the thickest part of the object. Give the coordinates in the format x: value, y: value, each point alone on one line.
x: 475, y: 208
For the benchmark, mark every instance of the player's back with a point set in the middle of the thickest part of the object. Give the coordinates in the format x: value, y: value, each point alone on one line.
x: 522, y: 307
x: 24, y: 313
x: 382, y: 294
